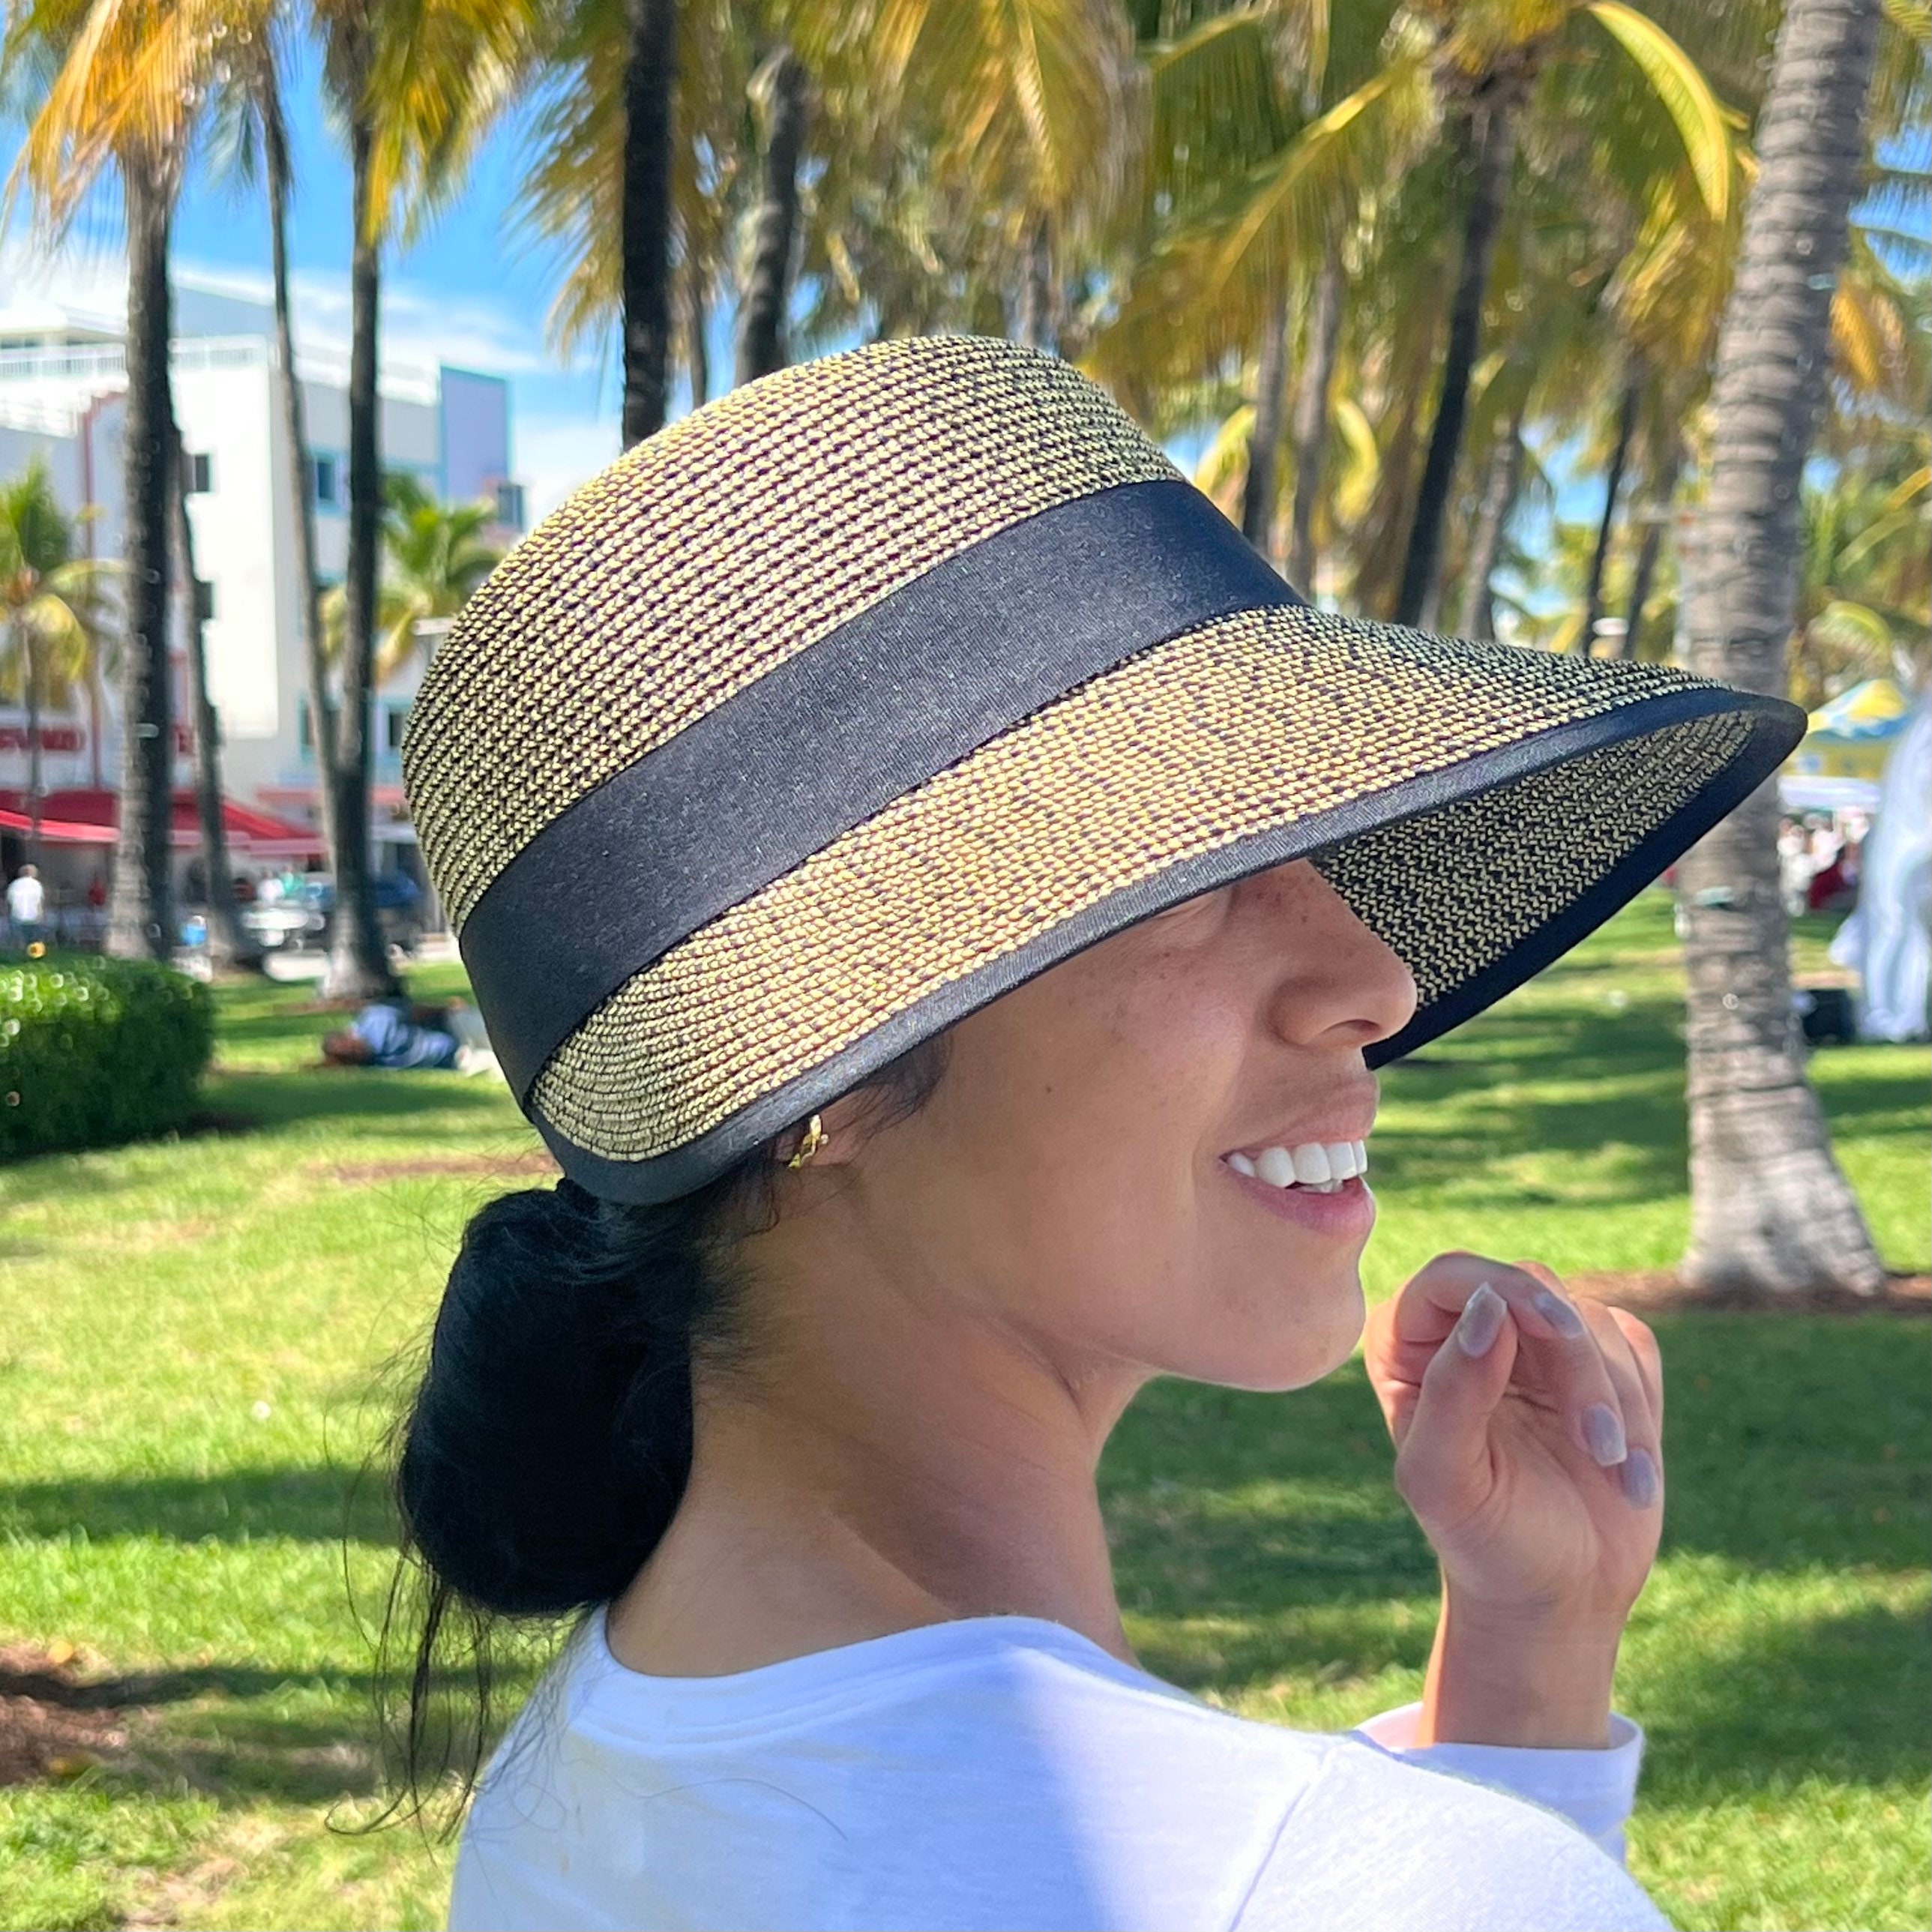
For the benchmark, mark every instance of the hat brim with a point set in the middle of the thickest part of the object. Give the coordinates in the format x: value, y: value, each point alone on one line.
x: 1481, y: 808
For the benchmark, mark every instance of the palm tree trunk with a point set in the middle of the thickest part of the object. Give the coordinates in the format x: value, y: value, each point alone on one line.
x: 295, y: 438
x: 1656, y: 520
x: 359, y: 966
x: 1500, y: 485
x: 229, y: 944
x: 1613, y: 484
x: 1490, y: 141
x: 1036, y: 317
x: 30, y: 660
x: 650, y: 71
x: 140, y: 919
x: 1769, y: 1208
x: 779, y: 91
x: 1258, y: 492
x: 1309, y: 431
x: 696, y: 319
x: 96, y: 707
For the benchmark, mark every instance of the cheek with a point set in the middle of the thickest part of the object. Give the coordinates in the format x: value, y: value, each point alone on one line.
x: 1077, y: 1121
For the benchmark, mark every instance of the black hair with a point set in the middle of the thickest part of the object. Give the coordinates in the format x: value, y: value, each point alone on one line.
x: 547, y: 1445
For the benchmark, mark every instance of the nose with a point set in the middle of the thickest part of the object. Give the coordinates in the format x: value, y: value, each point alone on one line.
x: 1336, y: 983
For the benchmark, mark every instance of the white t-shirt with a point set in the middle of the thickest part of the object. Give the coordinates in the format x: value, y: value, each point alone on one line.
x: 26, y: 900
x: 1005, y: 1773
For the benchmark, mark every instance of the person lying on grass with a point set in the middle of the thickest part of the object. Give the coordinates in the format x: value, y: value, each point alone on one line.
x: 402, y: 1033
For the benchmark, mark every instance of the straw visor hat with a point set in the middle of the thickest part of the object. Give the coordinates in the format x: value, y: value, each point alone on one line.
x: 849, y: 701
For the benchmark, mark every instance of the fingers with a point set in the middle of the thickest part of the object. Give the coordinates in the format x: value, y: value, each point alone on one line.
x: 1631, y: 1354
x: 1598, y: 1370
x: 1648, y: 1358
x: 1639, y: 1471
x: 1444, y: 1446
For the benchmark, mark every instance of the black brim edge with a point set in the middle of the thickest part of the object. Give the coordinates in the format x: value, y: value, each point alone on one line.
x: 1777, y: 728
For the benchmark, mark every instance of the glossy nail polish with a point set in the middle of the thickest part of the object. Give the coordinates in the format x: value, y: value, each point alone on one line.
x: 1481, y: 1322
x: 1603, y: 1433
x: 1557, y: 1312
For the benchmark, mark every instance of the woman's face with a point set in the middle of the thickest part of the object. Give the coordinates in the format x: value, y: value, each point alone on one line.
x: 1072, y: 1175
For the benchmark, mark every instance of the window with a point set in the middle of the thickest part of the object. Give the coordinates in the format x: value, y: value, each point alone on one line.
x: 510, y: 505
x: 394, y: 718
x: 204, y: 600
x: 324, y: 473
x: 200, y: 473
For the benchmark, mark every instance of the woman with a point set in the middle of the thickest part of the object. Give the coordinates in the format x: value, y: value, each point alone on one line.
x: 941, y: 898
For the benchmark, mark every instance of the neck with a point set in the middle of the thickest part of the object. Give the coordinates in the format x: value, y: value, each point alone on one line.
x: 901, y: 1459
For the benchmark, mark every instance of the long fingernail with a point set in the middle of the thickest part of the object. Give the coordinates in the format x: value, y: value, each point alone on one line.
x: 1557, y: 1312
x: 1603, y: 1433
x: 1481, y: 1322
x: 1640, y: 1479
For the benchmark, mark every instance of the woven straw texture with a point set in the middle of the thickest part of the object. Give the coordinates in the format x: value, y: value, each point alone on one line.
x: 1250, y: 724
x: 738, y: 537
x: 719, y: 547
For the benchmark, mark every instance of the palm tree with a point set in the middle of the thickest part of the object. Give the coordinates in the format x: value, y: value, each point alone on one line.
x: 434, y: 555
x: 650, y: 70
x: 1023, y: 110
x: 415, y: 84
x: 1421, y: 96
x: 1310, y: 430
x: 229, y: 944
x: 94, y: 116
x: 1862, y: 609
x: 779, y: 93
x: 258, y: 99
x: 1486, y: 69
x: 50, y: 601
x: 1770, y: 1208
x: 576, y: 177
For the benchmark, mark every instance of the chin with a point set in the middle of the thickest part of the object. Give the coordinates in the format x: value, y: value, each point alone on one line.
x: 1282, y: 1343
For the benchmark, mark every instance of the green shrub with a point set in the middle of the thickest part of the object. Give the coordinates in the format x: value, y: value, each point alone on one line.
x: 97, y: 1051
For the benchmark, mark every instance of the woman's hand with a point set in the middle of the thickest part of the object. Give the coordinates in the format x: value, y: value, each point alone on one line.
x: 1527, y: 1428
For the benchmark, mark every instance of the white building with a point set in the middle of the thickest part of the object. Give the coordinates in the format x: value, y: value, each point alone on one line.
x: 62, y: 391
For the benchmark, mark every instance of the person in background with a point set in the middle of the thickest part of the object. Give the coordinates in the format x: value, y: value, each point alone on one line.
x: 396, y: 1034
x: 26, y: 906
x: 1834, y: 887
x: 1826, y: 842
x: 1794, y: 865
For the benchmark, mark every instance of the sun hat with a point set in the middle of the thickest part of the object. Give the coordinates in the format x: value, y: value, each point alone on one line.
x: 853, y: 699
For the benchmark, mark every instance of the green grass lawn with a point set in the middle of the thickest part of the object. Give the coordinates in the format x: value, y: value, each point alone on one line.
x: 193, y: 1368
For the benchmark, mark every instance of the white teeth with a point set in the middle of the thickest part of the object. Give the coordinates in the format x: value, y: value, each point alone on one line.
x: 1277, y: 1167
x: 1321, y: 1167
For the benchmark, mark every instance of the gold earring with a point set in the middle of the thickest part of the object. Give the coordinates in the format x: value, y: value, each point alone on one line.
x: 815, y: 1137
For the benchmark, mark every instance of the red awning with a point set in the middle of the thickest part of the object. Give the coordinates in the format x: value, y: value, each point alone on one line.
x: 90, y: 816
x: 55, y: 831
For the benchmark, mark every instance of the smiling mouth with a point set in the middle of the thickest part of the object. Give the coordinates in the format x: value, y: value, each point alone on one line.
x: 1317, y: 1167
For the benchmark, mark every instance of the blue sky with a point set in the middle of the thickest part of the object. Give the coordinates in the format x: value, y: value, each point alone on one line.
x: 466, y: 293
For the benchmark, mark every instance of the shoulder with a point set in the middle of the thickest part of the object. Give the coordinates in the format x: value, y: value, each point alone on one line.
x: 1377, y: 1842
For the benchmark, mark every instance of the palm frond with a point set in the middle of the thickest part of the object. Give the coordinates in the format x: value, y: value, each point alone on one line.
x: 1680, y: 85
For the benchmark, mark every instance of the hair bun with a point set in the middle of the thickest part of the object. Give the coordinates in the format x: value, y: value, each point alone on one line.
x: 551, y: 1439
